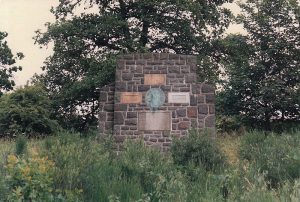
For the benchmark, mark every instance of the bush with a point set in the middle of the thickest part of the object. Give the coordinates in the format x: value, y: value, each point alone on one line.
x: 87, y: 171
x: 278, y: 156
x: 29, y: 179
x: 229, y: 124
x: 26, y: 111
x: 155, y: 173
x: 81, y: 169
x: 198, y: 149
x: 21, y: 145
x: 72, y: 156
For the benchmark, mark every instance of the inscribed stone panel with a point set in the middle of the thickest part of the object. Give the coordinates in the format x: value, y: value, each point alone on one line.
x: 179, y: 97
x: 155, y: 79
x: 154, y: 121
x: 131, y: 98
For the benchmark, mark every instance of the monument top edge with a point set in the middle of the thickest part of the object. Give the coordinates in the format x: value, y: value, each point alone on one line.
x: 155, y: 56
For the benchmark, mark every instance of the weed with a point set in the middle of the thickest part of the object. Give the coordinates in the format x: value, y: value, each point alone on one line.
x: 21, y: 145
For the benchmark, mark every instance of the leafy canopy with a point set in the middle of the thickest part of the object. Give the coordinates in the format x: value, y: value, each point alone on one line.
x: 263, y: 67
x: 7, y: 65
x: 85, y: 44
x: 26, y: 111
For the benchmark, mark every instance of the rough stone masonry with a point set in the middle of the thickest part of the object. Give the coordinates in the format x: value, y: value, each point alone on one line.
x: 187, y: 104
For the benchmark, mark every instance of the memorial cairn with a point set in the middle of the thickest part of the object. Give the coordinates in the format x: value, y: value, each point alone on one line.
x: 155, y: 97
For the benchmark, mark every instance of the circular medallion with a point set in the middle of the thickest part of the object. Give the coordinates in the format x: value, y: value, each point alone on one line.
x: 155, y: 98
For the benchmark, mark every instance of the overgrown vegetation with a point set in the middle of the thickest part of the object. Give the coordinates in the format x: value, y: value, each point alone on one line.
x: 276, y: 156
x: 259, y: 78
x: 68, y: 167
x: 262, y: 67
x: 197, y: 150
x: 26, y: 111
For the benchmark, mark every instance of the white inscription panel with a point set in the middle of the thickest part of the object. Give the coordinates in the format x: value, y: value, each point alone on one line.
x: 156, y: 120
x: 177, y: 97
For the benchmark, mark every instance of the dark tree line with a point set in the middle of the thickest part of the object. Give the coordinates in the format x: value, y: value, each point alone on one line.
x: 258, y: 73
x: 85, y: 46
x: 264, y: 66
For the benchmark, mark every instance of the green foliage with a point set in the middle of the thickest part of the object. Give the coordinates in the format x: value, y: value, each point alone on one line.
x: 198, y: 149
x: 26, y: 111
x: 21, y: 145
x: 75, y: 161
x: 155, y: 173
x: 290, y: 190
x: 250, y: 143
x: 75, y: 101
x: 86, y: 171
x: 5, y: 149
x: 263, y: 67
x: 278, y: 157
x: 82, y: 169
x: 29, y: 179
x: 85, y: 45
x: 7, y: 65
x: 229, y: 124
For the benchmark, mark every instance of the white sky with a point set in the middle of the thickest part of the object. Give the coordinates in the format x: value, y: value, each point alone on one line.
x: 21, y: 18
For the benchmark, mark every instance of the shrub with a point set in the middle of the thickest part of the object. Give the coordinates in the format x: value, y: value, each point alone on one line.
x: 88, y: 171
x: 72, y: 156
x: 229, y: 124
x: 85, y: 171
x: 155, y: 173
x: 136, y: 174
x: 290, y: 126
x: 21, y: 145
x: 29, y: 179
x: 198, y: 149
x: 26, y: 111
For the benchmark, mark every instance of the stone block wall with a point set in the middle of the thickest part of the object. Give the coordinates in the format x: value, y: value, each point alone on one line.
x: 188, y: 104
x: 106, y: 108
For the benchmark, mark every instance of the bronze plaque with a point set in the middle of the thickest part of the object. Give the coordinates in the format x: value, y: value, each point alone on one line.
x: 155, y: 79
x: 155, y: 98
x: 154, y: 121
x: 131, y: 98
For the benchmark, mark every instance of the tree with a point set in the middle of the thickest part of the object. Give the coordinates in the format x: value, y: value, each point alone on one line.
x: 7, y: 65
x: 26, y: 111
x: 263, y: 67
x: 85, y: 45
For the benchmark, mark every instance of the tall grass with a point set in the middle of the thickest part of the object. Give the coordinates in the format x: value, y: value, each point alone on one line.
x: 276, y: 156
x: 86, y: 169
x: 6, y: 147
x: 21, y: 145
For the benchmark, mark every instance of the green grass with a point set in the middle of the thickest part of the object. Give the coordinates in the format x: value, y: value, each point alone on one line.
x: 5, y: 148
x: 257, y: 168
x: 230, y: 145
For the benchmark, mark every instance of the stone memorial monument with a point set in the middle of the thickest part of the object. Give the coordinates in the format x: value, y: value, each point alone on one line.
x: 155, y: 97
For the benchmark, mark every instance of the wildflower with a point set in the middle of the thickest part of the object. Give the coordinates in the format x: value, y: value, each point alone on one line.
x: 26, y: 170
x: 12, y: 159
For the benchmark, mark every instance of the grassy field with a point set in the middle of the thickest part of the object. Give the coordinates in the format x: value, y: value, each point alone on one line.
x: 252, y: 167
x: 6, y: 147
